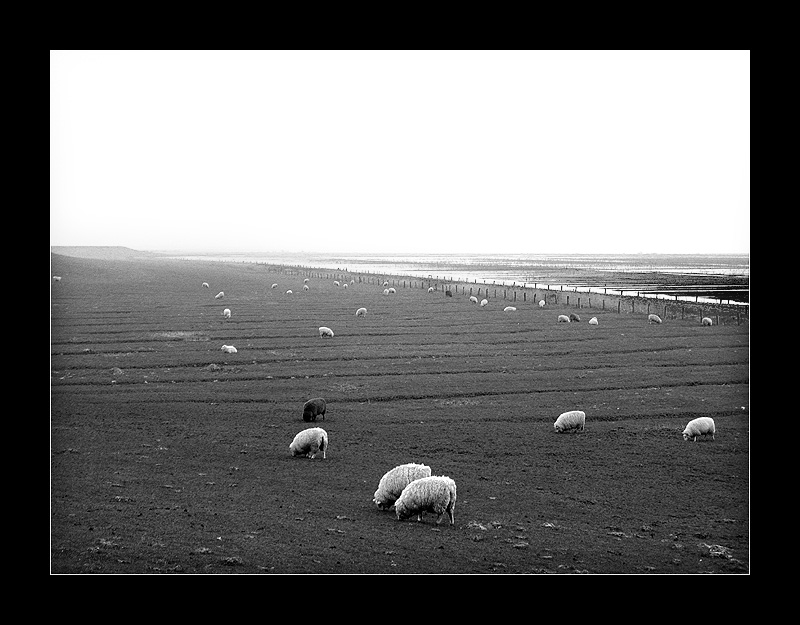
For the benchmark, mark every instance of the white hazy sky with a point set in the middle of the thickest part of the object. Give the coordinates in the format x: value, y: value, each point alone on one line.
x: 401, y: 151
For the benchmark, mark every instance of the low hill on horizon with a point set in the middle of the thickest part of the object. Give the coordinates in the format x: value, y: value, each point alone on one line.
x: 102, y: 252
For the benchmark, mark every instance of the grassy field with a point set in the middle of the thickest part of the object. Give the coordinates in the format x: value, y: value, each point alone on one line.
x: 170, y: 456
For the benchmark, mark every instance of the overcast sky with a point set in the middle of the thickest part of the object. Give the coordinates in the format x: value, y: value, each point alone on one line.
x: 479, y: 152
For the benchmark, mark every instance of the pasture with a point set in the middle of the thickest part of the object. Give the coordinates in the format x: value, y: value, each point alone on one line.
x: 170, y: 456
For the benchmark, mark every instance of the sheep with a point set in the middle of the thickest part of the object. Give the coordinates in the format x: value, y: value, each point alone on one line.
x: 336, y: 283
x: 57, y: 278
x: 702, y: 426
x: 448, y: 294
x: 309, y: 443
x: 706, y: 321
x: 563, y: 319
x: 436, y: 494
x: 386, y: 283
x: 229, y: 349
x: 541, y: 303
x: 473, y: 299
x: 323, y: 332
x: 392, y: 290
x: 226, y: 313
x: 574, y: 317
x: 289, y: 292
x: 352, y: 282
x: 430, y: 289
x: 305, y: 287
x: 395, y: 480
x: 313, y: 408
x: 305, y: 280
x: 205, y: 284
x: 274, y: 286
x: 484, y: 302
x: 593, y: 321
x: 386, y: 291
x: 220, y: 295
x: 344, y: 286
x: 361, y: 312
x: 572, y: 420
x: 653, y: 319
x: 510, y: 309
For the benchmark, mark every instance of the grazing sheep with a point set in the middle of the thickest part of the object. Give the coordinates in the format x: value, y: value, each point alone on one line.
x: 305, y: 280
x: 309, y: 443
x: 220, y: 295
x: 228, y: 349
x: 386, y: 283
x: 541, y: 303
x: 274, y: 286
x: 593, y: 321
x: 448, y: 294
x: 323, y: 331
x: 653, y: 319
x: 563, y: 319
x: 289, y: 292
x: 436, y: 494
x: 510, y: 309
x: 57, y: 278
x: 305, y: 287
x: 205, y: 284
x: 430, y: 289
x: 313, y: 408
x: 344, y: 286
x: 572, y: 420
x: 386, y: 291
x: 361, y: 312
x: 484, y: 302
x: 574, y: 317
x: 702, y: 426
x: 473, y: 299
x: 336, y: 283
x: 226, y: 313
x: 706, y: 321
x: 395, y: 480
x: 392, y: 290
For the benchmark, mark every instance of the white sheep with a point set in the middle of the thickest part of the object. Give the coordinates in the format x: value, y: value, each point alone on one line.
x: 361, y: 312
x: 226, y: 313
x: 353, y: 282
x: 702, y: 426
x: 430, y: 289
x: 228, y: 349
x: 336, y: 283
x: 309, y: 443
x: 386, y: 291
x: 572, y: 420
x: 484, y: 302
x: 289, y: 292
x: 706, y: 321
x: 205, y: 284
x: 386, y: 283
x: 395, y: 480
x: 653, y: 319
x: 593, y: 321
x: 510, y: 309
x: 323, y: 331
x: 57, y: 278
x: 344, y: 286
x: 563, y: 319
x: 473, y: 299
x: 392, y: 290
x: 436, y: 494
x: 274, y: 286
x: 541, y: 303
x: 305, y: 280
x: 220, y: 295
x: 305, y: 287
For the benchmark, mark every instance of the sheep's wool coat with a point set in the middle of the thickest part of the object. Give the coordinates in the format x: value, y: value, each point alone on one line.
x: 395, y: 480
x: 702, y: 426
x: 572, y: 420
x: 309, y: 442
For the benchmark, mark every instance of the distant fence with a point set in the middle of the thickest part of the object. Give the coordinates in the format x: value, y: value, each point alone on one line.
x: 721, y: 314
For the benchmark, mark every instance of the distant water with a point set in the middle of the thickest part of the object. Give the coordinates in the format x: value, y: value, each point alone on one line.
x: 501, y: 268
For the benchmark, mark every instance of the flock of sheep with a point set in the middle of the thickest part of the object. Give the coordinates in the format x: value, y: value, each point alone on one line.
x: 411, y: 488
